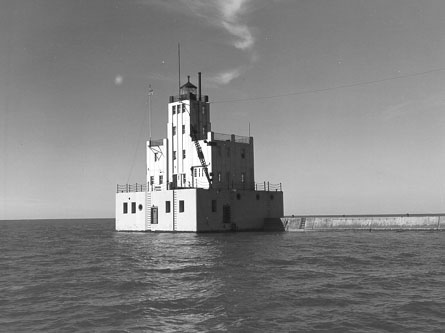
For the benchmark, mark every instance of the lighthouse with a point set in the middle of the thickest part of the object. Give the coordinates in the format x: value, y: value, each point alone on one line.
x: 197, y: 180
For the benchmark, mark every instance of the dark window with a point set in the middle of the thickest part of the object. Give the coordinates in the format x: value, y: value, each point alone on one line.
x: 243, y: 153
x: 213, y: 206
x: 181, y: 206
x: 271, y: 197
x: 238, y: 196
x: 258, y: 197
x: 125, y: 207
x: 183, y: 108
x: 140, y: 207
x: 174, y: 155
x: 183, y: 153
x: 174, y: 130
x: 161, y: 180
x: 174, y: 109
x: 133, y: 208
x: 183, y: 129
x: 152, y: 180
x: 167, y: 206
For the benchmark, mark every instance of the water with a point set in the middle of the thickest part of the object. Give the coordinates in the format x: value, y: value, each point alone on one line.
x: 81, y: 276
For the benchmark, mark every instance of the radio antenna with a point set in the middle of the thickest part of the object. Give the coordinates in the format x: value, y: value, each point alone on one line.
x: 150, y: 93
x: 179, y: 69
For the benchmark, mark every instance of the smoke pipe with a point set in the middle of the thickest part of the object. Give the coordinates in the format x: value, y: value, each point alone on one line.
x: 199, y: 86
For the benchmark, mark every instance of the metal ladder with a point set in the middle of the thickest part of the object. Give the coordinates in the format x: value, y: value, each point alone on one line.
x: 147, y: 210
x: 303, y: 223
x: 175, y: 211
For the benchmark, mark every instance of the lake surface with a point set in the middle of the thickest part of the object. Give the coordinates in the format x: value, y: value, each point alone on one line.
x: 82, y: 276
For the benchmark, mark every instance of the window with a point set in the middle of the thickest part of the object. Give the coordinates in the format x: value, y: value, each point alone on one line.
x: 133, y: 208
x: 183, y: 129
x: 195, y: 172
x: 243, y: 177
x: 238, y: 196
x: 156, y: 157
x: 181, y: 206
x: 167, y: 206
x: 213, y: 206
x: 152, y: 180
x: 161, y: 180
x: 174, y: 130
x: 228, y: 151
x: 243, y: 153
x: 203, y: 109
x: 174, y: 109
x: 125, y: 207
x: 183, y: 179
x: 140, y: 207
x: 174, y: 155
x: 219, y: 177
x: 183, y: 108
x: 183, y: 153
x: 258, y: 197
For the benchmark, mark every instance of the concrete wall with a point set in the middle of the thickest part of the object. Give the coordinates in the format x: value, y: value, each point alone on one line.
x: 376, y: 222
x: 248, y: 209
x: 130, y: 221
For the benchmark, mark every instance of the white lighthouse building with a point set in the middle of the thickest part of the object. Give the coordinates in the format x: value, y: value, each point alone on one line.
x: 197, y: 180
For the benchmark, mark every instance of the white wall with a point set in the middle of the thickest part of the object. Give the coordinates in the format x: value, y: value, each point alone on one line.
x: 130, y: 221
x: 185, y: 221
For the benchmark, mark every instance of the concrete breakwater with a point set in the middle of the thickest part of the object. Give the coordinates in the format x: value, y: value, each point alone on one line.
x: 357, y: 222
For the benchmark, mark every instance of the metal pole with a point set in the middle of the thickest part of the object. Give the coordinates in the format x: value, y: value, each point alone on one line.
x: 179, y: 69
x: 150, y: 93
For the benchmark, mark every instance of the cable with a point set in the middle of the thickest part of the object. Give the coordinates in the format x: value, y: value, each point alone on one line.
x: 330, y: 88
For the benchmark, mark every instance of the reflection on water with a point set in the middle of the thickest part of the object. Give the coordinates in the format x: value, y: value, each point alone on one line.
x: 83, y: 276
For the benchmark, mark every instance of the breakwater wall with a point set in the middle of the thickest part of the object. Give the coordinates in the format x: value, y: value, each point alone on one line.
x: 357, y: 222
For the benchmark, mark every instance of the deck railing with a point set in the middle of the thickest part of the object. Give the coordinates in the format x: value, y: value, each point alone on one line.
x: 231, y: 137
x: 264, y: 186
x: 127, y: 188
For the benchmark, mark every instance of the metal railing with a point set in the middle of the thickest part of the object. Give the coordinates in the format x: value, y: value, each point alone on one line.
x: 264, y: 186
x: 231, y: 137
x: 126, y: 188
x: 155, y: 143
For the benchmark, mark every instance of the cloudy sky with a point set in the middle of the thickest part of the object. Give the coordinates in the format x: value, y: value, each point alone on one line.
x: 345, y: 98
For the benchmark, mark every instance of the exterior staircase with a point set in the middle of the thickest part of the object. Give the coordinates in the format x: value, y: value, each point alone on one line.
x: 200, y: 155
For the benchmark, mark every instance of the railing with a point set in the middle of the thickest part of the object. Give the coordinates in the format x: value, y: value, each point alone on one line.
x: 242, y: 139
x: 156, y: 143
x: 131, y: 188
x: 231, y: 137
x: 264, y: 186
x: 222, y: 137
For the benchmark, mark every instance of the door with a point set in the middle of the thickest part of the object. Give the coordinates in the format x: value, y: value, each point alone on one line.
x: 154, y: 215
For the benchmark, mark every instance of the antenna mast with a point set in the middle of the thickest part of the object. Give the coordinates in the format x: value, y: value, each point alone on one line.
x: 179, y: 69
x: 150, y: 93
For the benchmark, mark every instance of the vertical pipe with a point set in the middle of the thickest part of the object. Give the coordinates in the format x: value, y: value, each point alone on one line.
x: 199, y: 86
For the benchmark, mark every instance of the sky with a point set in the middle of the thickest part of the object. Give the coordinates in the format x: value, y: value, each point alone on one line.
x: 345, y: 99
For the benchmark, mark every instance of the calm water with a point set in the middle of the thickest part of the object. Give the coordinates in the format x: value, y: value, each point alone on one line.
x: 81, y: 276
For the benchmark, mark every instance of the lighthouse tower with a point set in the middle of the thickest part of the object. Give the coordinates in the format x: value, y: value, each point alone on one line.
x: 197, y: 180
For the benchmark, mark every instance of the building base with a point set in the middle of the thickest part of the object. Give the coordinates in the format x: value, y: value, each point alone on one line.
x: 196, y: 210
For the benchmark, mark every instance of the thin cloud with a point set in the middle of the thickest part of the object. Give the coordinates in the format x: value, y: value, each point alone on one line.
x: 225, y: 77
x: 225, y: 14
